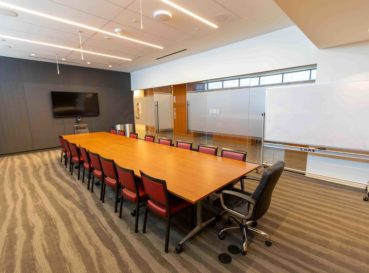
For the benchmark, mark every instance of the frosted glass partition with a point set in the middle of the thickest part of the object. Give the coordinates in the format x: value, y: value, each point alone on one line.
x: 144, y: 111
x: 164, y: 103
x: 233, y: 112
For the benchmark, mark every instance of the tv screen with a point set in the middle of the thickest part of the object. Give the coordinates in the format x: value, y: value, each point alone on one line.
x: 74, y: 104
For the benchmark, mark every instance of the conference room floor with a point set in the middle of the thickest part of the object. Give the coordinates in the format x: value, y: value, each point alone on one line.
x: 51, y: 223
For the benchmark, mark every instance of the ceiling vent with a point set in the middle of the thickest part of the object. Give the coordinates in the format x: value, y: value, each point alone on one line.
x: 171, y: 54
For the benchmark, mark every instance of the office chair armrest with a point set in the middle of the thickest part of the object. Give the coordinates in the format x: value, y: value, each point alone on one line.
x: 249, y: 199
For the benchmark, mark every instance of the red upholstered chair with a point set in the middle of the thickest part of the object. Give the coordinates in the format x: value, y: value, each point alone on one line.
x: 110, y: 179
x: 86, y: 166
x: 208, y: 149
x: 133, y: 135
x: 132, y: 190
x: 97, y: 170
x: 62, y: 149
x: 113, y: 131
x: 149, y: 138
x: 184, y: 145
x: 68, y: 154
x: 121, y: 133
x: 237, y: 155
x: 161, y: 202
x: 165, y: 141
x: 76, y: 158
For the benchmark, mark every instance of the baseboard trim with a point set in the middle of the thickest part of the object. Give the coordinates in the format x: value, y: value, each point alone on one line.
x: 338, y: 181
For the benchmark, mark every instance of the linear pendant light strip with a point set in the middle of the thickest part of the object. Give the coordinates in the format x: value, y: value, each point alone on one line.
x: 69, y: 22
x: 63, y: 47
x: 190, y: 13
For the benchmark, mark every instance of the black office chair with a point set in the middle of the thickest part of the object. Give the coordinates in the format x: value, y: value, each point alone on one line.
x: 246, y: 208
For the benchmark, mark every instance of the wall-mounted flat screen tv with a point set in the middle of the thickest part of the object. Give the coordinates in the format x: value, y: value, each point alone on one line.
x: 74, y: 104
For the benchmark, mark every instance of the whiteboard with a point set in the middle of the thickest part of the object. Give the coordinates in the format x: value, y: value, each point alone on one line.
x: 325, y: 115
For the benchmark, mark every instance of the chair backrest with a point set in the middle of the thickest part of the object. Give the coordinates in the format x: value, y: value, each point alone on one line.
x: 184, y: 145
x: 108, y: 167
x: 165, y: 141
x: 263, y: 192
x: 127, y: 178
x: 113, y: 131
x: 233, y: 154
x: 61, y: 142
x: 133, y: 135
x: 149, y: 138
x: 95, y: 161
x: 208, y: 149
x: 66, y: 146
x: 73, y: 149
x: 156, y: 189
x: 84, y: 155
x: 121, y: 132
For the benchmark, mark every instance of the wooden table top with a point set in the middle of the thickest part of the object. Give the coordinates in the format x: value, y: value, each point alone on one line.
x: 189, y: 174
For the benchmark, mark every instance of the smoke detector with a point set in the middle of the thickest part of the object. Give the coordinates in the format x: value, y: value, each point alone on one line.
x: 162, y: 15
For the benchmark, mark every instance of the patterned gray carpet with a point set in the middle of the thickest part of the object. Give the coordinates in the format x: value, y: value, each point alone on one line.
x: 51, y: 223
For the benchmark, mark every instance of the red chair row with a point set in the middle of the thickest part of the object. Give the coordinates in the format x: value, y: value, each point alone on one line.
x: 150, y: 191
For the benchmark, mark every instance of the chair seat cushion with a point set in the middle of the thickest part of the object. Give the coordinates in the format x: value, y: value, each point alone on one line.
x: 87, y: 166
x: 132, y: 196
x: 111, y: 182
x: 97, y: 174
x: 75, y: 159
x: 176, y: 205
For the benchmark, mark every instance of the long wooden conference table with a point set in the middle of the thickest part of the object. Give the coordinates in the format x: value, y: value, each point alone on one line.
x: 190, y: 175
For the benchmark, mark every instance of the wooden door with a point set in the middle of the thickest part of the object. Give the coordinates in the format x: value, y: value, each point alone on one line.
x: 180, y: 109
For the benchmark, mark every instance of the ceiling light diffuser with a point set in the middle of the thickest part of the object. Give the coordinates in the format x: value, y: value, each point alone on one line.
x: 190, y: 13
x: 69, y: 22
x: 63, y: 47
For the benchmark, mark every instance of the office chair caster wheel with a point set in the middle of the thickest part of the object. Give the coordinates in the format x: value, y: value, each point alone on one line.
x: 221, y: 236
x: 268, y: 243
x: 366, y: 198
x: 179, y: 248
x: 243, y: 252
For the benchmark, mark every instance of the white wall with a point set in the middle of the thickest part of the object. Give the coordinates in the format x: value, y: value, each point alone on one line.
x: 277, y: 50
x: 280, y: 49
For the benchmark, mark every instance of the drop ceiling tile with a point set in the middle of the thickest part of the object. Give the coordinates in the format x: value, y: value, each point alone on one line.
x: 99, y: 8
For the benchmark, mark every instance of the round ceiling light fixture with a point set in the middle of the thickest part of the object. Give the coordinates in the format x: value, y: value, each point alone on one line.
x: 118, y: 30
x: 7, y: 12
x: 162, y: 15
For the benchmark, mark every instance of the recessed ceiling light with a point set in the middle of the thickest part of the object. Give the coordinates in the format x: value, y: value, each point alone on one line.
x: 73, y: 23
x: 63, y: 47
x: 64, y: 59
x: 110, y: 66
x: 190, y: 13
x: 88, y: 62
x: 32, y: 55
x: 162, y: 15
x: 9, y: 13
x: 118, y: 30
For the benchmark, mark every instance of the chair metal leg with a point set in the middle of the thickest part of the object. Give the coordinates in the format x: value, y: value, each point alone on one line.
x: 83, y: 175
x: 137, y: 214
x: 89, y: 179
x: 260, y: 232
x: 79, y: 170
x: 167, y: 234
x: 102, y: 192
x: 116, y: 199
x: 244, y: 245
x: 61, y: 156
x: 71, y: 166
x: 220, y: 233
x: 145, y: 219
x: 92, y: 183
x: 121, y: 207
